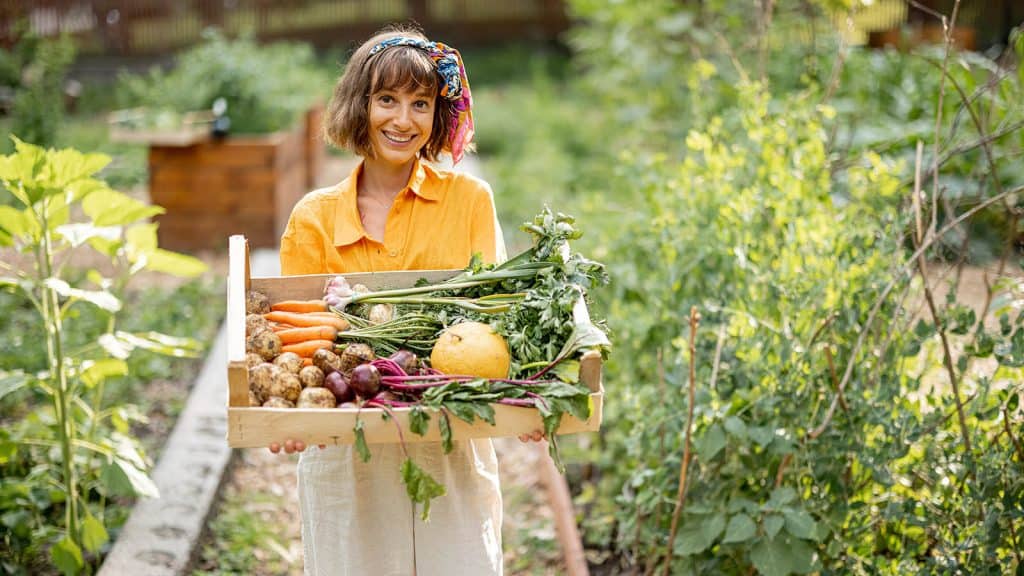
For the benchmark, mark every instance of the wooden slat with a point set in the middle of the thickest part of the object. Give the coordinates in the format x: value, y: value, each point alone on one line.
x: 238, y: 264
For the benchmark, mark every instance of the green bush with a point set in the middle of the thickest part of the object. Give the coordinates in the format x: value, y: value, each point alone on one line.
x: 739, y: 181
x: 41, y: 65
x: 266, y: 87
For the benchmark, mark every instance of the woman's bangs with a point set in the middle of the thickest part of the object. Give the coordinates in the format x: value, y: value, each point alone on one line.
x: 404, y: 68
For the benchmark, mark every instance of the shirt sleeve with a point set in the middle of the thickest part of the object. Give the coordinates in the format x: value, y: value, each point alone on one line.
x: 302, y: 245
x: 486, y: 233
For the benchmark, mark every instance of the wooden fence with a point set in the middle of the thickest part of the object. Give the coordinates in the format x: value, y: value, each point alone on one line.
x: 149, y: 27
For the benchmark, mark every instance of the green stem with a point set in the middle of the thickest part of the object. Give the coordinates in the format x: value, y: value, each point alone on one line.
x: 55, y: 353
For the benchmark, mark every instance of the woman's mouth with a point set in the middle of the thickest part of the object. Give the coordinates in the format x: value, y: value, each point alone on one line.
x: 398, y: 139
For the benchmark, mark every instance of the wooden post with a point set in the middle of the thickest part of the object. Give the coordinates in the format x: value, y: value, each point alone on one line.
x: 565, y: 516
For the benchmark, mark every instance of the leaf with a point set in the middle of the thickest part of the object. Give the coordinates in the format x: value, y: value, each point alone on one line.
x: 420, y: 486
x: 781, y: 556
x: 78, y: 234
x: 69, y: 165
x: 361, y: 447
x: 735, y: 426
x: 11, y: 381
x: 179, y: 347
x: 446, y: 432
x: 140, y: 482
x: 800, y: 524
x: 711, y: 443
x: 114, y: 346
x: 100, y: 298
x: 94, y: 534
x: 699, y: 534
x: 175, y: 264
x: 94, y: 372
x: 740, y: 529
x: 108, y: 207
x: 67, y: 556
x: 16, y: 223
x: 419, y: 420
x: 781, y: 496
x: 772, y: 524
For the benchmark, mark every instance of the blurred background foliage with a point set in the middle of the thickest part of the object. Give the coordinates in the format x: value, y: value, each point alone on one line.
x: 857, y: 411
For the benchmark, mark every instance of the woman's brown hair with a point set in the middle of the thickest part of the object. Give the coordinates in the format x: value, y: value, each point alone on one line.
x: 395, y: 68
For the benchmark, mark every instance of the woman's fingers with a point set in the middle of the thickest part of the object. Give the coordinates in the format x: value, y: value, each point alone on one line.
x: 275, y: 447
x: 535, y: 436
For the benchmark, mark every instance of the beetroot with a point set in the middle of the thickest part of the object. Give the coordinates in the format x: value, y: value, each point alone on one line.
x: 365, y: 380
x: 338, y: 385
x: 406, y: 360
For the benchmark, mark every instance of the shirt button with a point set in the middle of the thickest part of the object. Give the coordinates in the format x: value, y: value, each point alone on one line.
x: 393, y: 253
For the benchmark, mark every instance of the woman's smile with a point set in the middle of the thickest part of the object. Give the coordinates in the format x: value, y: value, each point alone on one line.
x: 401, y: 122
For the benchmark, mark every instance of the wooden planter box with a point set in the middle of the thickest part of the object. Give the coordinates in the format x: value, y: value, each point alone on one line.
x: 250, y: 427
x: 238, y: 185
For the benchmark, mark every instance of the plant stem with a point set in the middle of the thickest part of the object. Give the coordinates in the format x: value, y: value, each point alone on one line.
x: 55, y: 353
x: 684, y: 467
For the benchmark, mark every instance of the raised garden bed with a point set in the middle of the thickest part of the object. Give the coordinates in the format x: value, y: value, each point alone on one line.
x: 237, y: 185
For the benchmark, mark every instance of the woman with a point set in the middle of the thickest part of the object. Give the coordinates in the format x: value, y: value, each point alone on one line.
x: 401, y: 101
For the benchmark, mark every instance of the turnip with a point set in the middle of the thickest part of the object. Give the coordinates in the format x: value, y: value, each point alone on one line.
x: 338, y: 385
x: 254, y: 323
x: 261, y: 378
x: 289, y: 362
x: 278, y: 402
x: 286, y: 385
x: 253, y: 360
x: 256, y: 303
x: 311, y: 377
x: 326, y: 361
x: 265, y: 343
x: 355, y: 354
x: 365, y: 380
x: 317, y: 398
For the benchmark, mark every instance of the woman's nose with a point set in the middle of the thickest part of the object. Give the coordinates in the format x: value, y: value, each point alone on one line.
x: 403, y: 118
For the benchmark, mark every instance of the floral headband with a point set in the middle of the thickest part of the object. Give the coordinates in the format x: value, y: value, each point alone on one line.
x: 454, y: 87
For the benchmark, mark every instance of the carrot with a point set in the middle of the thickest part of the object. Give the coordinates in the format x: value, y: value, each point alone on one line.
x: 301, y: 306
x: 305, y: 320
x: 307, y: 362
x: 294, y: 335
x: 281, y: 327
x: 307, y: 348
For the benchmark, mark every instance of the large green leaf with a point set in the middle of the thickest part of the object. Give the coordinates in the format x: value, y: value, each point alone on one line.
x: 107, y: 207
x: 94, y: 372
x: 781, y: 556
x: 420, y: 486
x: 122, y: 477
x: 800, y: 524
x: 80, y: 233
x: 181, y: 265
x: 698, y: 534
x: 94, y: 533
x: 21, y: 169
x: 68, y: 165
x: 180, y: 347
x: 15, y: 223
x: 740, y: 529
x: 11, y: 381
x: 67, y: 556
x: 101, y: 298
x: 710, y: 443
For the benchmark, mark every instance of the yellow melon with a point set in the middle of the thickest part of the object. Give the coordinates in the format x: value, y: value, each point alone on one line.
x: 471, y: 348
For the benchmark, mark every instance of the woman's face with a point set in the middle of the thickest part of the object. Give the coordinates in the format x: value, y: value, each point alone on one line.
x: 400, y: 123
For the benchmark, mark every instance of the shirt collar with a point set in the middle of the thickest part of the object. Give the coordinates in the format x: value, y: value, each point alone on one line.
x: 348, y: 226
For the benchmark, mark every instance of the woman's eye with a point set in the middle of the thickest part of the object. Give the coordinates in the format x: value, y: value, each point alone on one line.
x: 422, y: 104
x: 384, y: 99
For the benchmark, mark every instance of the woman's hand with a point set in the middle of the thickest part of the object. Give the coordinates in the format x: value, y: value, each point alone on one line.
x: 535, y: 436
x: 291, y: 446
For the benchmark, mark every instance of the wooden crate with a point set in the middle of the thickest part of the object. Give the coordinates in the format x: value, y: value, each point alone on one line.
x: 255, y: 426
x: 239, y: 185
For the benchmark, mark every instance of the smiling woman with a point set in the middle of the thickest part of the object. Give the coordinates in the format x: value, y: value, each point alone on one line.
x: 401, y: 103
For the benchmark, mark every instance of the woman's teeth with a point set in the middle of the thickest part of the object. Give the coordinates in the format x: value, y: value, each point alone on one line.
x: 397, y: 139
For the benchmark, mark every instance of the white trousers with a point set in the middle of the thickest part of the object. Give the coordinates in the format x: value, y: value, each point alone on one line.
x: 357, y: 519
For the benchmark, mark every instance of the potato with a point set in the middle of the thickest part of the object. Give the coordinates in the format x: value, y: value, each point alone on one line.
x: 265, y: 343
x: 355, y: 354
x: 278, y: 402
x: 261, y: 378
x: 255, y: 323
x: 289, y: 362
x: 311, y: 377
x: 256, y: 302
x: 254, y: 400
x: 286, y: 385
x: 326, y: 361
x: 252, y: 360
x: 316, y: 397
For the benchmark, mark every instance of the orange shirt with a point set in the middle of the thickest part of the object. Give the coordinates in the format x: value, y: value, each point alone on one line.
x: 436, y: 222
